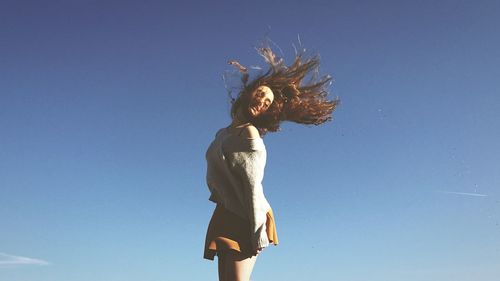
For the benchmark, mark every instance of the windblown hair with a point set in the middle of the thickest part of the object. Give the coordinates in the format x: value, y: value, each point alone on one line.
x: 294, y: 100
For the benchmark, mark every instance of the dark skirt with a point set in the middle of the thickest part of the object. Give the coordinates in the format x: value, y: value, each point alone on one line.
x: 227, y: 231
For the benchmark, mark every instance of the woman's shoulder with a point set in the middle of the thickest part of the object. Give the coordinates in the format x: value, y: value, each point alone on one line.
x: 250, y: 132
x: 245, y: 131
x: 243, y: 138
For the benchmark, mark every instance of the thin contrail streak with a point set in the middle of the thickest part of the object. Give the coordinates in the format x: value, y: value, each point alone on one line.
x: 463, y: 193
x: 6, y: 259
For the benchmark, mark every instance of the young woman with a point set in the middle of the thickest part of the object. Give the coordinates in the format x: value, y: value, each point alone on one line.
x: 242, y: 224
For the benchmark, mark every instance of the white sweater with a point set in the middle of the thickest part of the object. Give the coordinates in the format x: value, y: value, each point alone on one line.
x: 235, y: 169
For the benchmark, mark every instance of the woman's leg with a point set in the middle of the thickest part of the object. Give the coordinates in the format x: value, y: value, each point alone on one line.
x: 238, y: 267
x: 222, y: 266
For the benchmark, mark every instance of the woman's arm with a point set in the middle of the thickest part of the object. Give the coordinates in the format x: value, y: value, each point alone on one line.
x: 249, y: 166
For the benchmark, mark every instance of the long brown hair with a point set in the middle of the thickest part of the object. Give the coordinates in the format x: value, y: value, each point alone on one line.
x: 294, y: 100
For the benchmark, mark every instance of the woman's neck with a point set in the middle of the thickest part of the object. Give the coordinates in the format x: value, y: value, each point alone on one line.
x: 238, y: 120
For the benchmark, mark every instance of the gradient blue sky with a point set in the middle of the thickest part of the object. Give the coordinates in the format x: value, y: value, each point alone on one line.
x: 107, y: 108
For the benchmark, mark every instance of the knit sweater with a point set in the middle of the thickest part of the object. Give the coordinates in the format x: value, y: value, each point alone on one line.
x: 235, y: 169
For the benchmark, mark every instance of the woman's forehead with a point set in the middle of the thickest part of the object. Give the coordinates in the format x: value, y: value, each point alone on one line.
x: 266, y: 90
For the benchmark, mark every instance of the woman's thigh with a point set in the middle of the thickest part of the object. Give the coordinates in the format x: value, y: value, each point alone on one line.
x: 221, y: 266
x: 237, y: 266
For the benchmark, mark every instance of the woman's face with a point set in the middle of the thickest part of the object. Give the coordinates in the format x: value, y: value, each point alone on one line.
x: 260, y: 100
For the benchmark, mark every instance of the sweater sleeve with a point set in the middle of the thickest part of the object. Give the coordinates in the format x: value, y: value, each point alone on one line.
x: 249, y: 166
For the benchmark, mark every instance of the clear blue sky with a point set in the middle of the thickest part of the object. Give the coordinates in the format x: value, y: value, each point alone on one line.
x: 107, y: 108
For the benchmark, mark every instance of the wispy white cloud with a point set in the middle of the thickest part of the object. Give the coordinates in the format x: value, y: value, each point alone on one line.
x: 6, y: 259
x: 462, y: 193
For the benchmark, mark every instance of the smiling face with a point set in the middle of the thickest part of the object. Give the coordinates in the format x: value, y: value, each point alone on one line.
x: 260, y: 100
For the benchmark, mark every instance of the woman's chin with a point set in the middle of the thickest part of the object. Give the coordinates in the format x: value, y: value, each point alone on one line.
x: 252, y: 112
